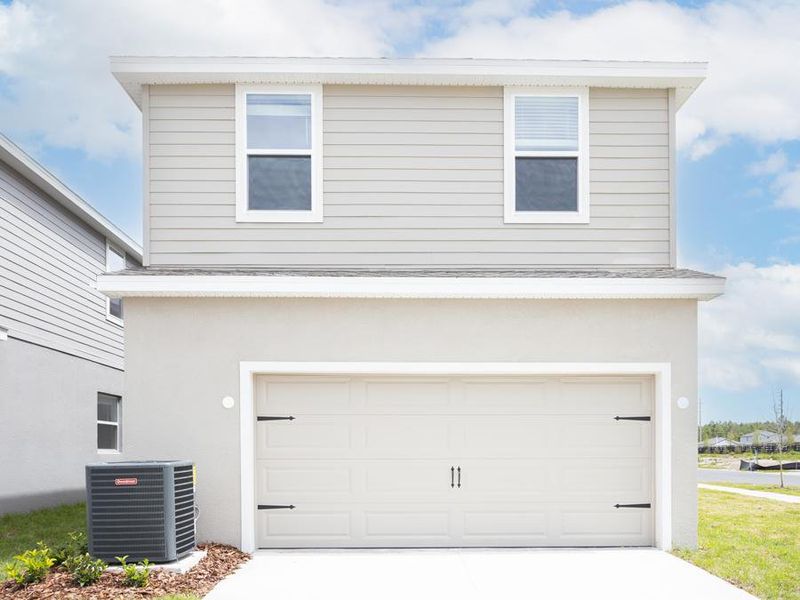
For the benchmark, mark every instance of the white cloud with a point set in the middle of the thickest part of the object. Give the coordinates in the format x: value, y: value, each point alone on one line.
x: 774, y: 163
x: 752, y: 47
x: 787, y: 189
x: 751, y: 336
x: 53, y: 55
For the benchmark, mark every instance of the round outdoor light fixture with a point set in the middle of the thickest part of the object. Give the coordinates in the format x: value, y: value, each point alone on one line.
x: 683, y: 402
x: 228, y: 402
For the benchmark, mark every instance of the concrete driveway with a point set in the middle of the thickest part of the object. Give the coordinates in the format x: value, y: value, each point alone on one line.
x: 618, y: 574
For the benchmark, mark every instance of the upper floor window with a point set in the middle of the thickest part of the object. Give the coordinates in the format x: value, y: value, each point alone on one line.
x: 278, y: 154
x: 115, y: 261
x: 546, y: 156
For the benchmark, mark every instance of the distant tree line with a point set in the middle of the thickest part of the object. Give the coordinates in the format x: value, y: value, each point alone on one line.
x: 733, y: 430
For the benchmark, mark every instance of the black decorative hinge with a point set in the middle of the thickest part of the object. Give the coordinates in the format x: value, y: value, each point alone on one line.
x: 632, y: 506
x: 275, y: 506
x: 631, y: 418
x: 289, y: 418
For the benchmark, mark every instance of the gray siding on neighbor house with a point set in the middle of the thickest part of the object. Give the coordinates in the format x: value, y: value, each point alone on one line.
x: 49, y: 262
x: 413, y: 176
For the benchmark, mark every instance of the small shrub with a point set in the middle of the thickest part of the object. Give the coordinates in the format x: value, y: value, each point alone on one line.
x: 85, y: 570
x: 135, y: 575
x: 31, y: 566
x: 75, y: 545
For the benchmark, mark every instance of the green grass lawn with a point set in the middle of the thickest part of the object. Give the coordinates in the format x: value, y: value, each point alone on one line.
x: 789, y: 490
x: 20, y: 532
x: 752, y: 543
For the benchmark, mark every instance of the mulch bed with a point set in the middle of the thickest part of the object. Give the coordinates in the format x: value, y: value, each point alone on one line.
x: 219, y: 562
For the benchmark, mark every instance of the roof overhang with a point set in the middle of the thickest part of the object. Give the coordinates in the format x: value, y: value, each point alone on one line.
x: 17, y: 159
x: 542, y: 288
x: 134, y: 72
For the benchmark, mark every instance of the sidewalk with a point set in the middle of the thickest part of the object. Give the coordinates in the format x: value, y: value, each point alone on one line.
x: 753, y: 493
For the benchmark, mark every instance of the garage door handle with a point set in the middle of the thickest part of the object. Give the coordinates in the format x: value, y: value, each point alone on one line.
x: 631, y: 506
x: 631, y: 418
x: 459, y: 476
x: 275, y: 506
x: 452, y: 477
x: 289, y: 418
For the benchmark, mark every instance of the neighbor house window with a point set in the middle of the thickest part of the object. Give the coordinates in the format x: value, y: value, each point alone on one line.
x: 115, y: 261
x: 108, y: 423
x: 278, y: 154
x: 546, y: 156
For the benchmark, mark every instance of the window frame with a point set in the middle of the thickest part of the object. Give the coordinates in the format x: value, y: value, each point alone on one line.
x: 243, y: 213
x: 112, y: 248
x: 117, y: 424
x: 510, y: 154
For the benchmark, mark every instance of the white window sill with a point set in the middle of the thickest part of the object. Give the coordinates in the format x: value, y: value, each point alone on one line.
x: 115, y: 320
x: 107, y: 452
x: 546, y: 217
x: 279, y: 216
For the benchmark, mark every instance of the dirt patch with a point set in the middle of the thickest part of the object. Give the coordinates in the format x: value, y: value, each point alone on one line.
x: 718, y: 461
x: 219, y: 562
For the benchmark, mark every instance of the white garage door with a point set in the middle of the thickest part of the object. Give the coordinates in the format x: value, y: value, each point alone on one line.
x: 454, y: 461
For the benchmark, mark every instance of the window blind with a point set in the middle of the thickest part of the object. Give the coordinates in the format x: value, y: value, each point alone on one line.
x: 546, y: 123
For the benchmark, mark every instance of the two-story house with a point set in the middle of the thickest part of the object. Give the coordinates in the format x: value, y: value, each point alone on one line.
x: 409, y: 303
x: 61, y: 341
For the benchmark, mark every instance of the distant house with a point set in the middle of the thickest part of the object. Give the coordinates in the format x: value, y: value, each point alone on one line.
x: 61, y: 341
x: 760, y: 436
x: 719, y: 442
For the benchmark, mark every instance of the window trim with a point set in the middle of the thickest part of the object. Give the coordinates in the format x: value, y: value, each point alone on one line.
x: 510, y: 153
x: 117, y: 424
x: 243, y: 213
x: 112, y: 248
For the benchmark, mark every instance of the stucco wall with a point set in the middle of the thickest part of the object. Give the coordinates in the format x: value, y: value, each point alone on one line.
x: 183, y: 358
x: 48, y: 424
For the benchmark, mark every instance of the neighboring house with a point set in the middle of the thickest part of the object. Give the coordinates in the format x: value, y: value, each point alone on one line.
x: 396, y: 303
x: 719, y: 442
x: 761, y: 436
x: 61, y: 341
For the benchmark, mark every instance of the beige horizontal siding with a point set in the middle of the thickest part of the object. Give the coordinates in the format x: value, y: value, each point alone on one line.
x: 413, y: 176
x: 49, y: 263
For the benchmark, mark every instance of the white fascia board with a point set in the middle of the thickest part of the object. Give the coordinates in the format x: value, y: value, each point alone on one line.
x: 134, y: 72
x: 408, y: 287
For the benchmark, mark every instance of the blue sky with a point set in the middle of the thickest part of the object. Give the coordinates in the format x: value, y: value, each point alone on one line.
x: 739, y: 136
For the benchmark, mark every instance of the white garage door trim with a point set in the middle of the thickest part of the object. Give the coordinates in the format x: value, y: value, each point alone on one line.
x: 663, y: 430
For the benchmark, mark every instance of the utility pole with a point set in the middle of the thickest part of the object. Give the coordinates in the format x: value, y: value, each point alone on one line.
x: 699, y: 420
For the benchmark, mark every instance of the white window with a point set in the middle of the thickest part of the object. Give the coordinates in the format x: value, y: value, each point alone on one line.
x: 108, y: 423
x: 279, y: 154
x: 546, y: 156
x: 115, y: 261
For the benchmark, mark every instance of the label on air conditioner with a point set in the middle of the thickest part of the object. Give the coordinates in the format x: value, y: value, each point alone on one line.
x: 126, y: 481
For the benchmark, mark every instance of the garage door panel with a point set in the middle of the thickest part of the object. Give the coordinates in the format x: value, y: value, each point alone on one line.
x: 501, y: 395
x: 603, y: 395
x: 296, y: 527
x: 290, y: 479
x: 508, y: 526
x: 307, y: 434
x: 626, y: 526
x: 427, y: 436
x: 623, y: 481
x: 289, y: 396
x: 554, y: 436
x: 404, y: 524
x: 407, y: 395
